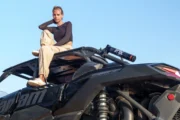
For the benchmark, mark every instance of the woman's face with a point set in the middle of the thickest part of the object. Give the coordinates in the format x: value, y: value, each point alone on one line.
x: 57, y: 16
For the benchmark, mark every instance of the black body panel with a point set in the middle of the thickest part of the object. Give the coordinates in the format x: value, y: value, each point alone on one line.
x: 45, y: 97
x: 26, y: 100
x: 32, y: 113
x: 69, y: 116
x: 97, y: 81
x: 8, y: 102
x: 4, y: 117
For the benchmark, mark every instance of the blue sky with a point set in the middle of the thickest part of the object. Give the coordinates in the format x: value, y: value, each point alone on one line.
x: 148, y: 29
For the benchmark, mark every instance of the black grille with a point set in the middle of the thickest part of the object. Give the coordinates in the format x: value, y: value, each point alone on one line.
x: 177, y: 115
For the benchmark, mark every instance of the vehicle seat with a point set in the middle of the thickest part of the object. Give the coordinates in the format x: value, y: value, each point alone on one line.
x: 85, y: 68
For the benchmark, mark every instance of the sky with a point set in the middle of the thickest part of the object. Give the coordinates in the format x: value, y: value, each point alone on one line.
x: 148, y: 29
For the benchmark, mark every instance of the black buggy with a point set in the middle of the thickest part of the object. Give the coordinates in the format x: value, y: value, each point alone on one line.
x: 95, y: 84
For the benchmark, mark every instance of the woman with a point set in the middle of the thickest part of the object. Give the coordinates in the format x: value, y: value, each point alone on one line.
x: 63, y: 37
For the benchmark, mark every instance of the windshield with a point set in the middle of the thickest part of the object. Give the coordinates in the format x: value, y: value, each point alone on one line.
x: 10, y: 84
x: 2, y: 93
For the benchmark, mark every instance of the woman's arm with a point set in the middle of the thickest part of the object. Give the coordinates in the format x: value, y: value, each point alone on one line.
x: 67, y: 36
x: 44, y: 26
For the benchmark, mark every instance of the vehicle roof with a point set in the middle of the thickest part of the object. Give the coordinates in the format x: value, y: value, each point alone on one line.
x: 73, y: 57
x: 26, y: 69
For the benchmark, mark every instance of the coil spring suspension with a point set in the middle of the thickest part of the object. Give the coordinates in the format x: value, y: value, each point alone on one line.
x: 102, y: 105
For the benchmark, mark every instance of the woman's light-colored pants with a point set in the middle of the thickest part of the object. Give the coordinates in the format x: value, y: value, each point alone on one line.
x: 47, y: 51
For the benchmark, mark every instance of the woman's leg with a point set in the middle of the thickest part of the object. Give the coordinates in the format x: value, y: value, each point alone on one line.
x: 45, y: 39
x: 46, y: 54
